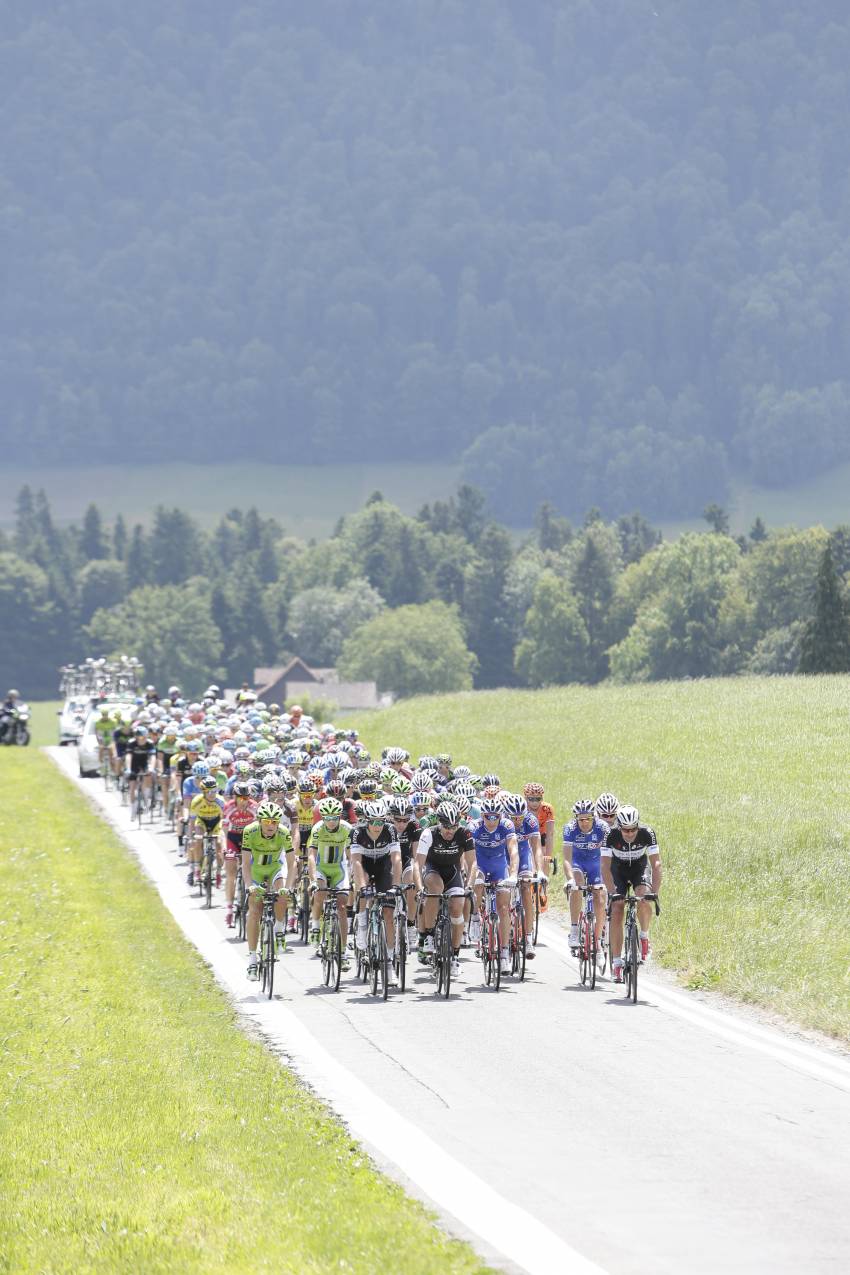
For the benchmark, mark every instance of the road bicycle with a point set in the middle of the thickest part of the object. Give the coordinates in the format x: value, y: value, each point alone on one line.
x: 631, y: 937
x: 441, y: 960
x: 489, y: 948
x: 267, y: 953
x: 373, y: 963
x: 517, y: 939
x: 330, y: 940
x: 208, y: 859
x: 240, y: 904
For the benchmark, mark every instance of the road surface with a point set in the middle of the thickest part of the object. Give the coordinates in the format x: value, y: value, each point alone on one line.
x: 560, y: 1128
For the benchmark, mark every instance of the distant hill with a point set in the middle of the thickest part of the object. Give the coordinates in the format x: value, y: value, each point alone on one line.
x: 591, y: 252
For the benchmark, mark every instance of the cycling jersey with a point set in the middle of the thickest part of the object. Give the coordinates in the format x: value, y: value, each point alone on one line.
x: 237, y: 818
x: 104, y: 729
x: 584, y: 843
x: 266, y: 852
x: 329, y: 843
x: 545, y: 814
x: 167, y: 753
x: 207, y: 810
x: 374, y: 848
x: 140, y: 754
x: 491, y: 847
x: 408, y: 841
x: 304, y: 809
x: 526, y: 829
x: 616, y: 846
x: 121, y: 739
x: 444, y: 852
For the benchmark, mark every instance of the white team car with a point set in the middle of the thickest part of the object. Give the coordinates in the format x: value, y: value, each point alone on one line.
x: 72, y: 719
x: 88, y: 750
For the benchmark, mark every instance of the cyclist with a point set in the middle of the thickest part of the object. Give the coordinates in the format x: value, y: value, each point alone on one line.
x: 327, y: 849
x: 376, y: 862
x: 139, y: 754
x: 104, y: 728
x: 408, y: 832
x: 606, y: 808
x: 496, y: 860
x: 527, y: 830
x: 441, y: 854
x: 239, y: 812
x: 166, y: 749
x: 268, y: 862
x: 545, y: 815
x: 121, y: 737
x: 205, y: 817
x: 627, y: 851
x: 584, y: 838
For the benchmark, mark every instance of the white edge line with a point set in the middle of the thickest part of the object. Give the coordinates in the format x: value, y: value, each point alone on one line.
x: 799, y: 1055
x: 453, y: 1188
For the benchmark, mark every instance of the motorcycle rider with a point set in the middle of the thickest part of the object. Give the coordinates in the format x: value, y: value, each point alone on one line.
x: 7, y: 711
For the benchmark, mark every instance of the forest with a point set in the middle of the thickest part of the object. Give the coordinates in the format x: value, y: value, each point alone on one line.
x: 602, y: 245
x: 446, y: 600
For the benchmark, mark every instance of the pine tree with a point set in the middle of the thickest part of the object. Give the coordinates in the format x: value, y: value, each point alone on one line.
x: 93, y: 541
x: 717, y: 518
x: 26, y: 528
x: 119, y: 538
x: 758, y: 531
x: 825, y: 646
x: 138, y: 560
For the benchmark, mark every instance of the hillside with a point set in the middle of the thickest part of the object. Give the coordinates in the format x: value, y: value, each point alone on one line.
x: 575, y: 238
x: 743, y: 781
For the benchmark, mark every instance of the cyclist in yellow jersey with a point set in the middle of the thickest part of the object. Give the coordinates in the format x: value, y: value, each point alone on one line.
x: 205, y: 816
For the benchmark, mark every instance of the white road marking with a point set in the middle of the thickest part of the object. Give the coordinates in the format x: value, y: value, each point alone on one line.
x: 800, y: 1055
x: 504, y: 1226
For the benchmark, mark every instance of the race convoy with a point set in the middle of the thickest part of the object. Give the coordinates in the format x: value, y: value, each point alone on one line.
x: 383, y: 866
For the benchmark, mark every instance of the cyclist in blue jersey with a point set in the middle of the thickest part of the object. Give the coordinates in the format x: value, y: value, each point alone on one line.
x: 528, y: 842
x: 583, y: 842
x: 497, y: 859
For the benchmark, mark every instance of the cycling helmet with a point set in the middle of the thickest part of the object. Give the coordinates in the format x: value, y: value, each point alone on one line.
x: 444, y: 759
x: 290, y: 783
x: 330, y: 808
x: 368, y: 787
x: 399, y: 807
x: 464, y: 790
x: 462, y: 803
x: 491, y: 781
x: 607, y: 804
x: 140, y: 730
x: 427, y: 762
x: 337, y: 761
x: 490, y: 806
x: 200, y: 769
x: 375, y: 811
x: 627, y: 817
x: 421, y: 782
x: 462, y: 772
x: 241, y: 789
x: 388, y: 777
x: 514, y: 805
x: 401, y: 784
x: 335, y: 789
x: 448, y: 814
x: 269, y: 810
x: 208, y: 783
x: 420, y: 801
x: 584, y: 806
x: 256, y: 788
x: 273, y: 783
x: 534, y: 790
x: 306, y: 784
x: 396, y: 756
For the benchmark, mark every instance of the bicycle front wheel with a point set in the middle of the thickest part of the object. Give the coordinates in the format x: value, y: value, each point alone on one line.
x: 305, y: 910
x: 519, y: 942
x: 446, y: 944
x: 536, y: 912
x: 372, y: 960
x: 634, y: 955
x: 400, y: 960
x: 270, y: 959
x: 583, y: 950
x: 208, y: 880
x: 336, y: 953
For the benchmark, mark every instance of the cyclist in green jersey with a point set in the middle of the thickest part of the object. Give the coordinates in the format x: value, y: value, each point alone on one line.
x: 268, y: 862
x: 103, y: 729
x: 327, y: 850
x: 166, y: 749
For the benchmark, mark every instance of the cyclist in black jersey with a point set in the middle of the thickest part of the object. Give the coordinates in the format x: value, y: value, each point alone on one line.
x: 139, y: 755
x: 408, y: 832
x: 628, y: 848
x: 442, y: 852
x: 375, y: 861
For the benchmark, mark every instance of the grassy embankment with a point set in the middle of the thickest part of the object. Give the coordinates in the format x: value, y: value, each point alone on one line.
x: 745, y: 783
x: 141, y: 1130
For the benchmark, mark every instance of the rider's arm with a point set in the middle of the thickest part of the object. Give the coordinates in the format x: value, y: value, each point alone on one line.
x: 567, y: 855
x: 536, y: 852
x: 357, y: 868
x: 655, y: 864
x: 423, y: 845
x: 605, y: 865
x: 513, y: 855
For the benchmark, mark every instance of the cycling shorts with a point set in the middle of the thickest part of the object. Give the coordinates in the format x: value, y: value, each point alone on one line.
x: 233, y: 848
x: 268, y: 875
x: 589, y: 864
x: 627, y: 872
x: 495, y: 869
x: 526, y: 858
x: 333, y: 875
x: 450, y: 875
x: 379, y: 872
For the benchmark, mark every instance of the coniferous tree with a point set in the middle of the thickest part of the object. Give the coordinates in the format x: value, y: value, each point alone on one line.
x: 138, y: 559
x: 825, y: 647
x: 119, y: 539
x: 92, y: 540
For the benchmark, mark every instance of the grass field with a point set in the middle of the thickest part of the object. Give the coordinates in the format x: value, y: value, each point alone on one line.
x: 745, y: 783
x: 306, y: 499
x: 141, y: 1130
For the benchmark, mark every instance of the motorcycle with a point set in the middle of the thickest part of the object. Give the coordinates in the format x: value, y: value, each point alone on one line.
x: 15, y: 727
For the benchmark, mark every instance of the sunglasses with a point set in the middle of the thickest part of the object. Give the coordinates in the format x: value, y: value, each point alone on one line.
x: 491, y: 818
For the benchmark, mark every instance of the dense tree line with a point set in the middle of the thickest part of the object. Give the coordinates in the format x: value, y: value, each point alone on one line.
x: 445, y: 600
x: 603, y: 245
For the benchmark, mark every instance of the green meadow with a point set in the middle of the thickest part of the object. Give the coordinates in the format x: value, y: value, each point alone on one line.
x: 140, y: 1128
x: 744, y: 781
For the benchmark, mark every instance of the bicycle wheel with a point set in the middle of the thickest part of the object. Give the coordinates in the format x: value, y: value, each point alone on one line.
x: 496, y: 940
x: 536, y: 911
x: 263, y: 955
x: 270, y: 958
x: 583, y: 947
x: 383, y: 961
x: 485, y: 948
x: 305, y: 910
x: 519, y: 941
x: 240, y: 907
x: 372, y: 957
x: 446, y: 942
x: 400, y: 960
x: 592, y: 952
x: 336, y: 953
x: 634, y: 953
x: 208, y: 880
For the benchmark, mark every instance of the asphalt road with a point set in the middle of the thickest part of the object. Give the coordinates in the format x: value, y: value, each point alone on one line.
x: 661, y: 1136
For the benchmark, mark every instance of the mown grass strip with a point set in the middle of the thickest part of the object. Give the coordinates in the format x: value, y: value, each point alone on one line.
x: 745, y: 783
x: 141, y: 1130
